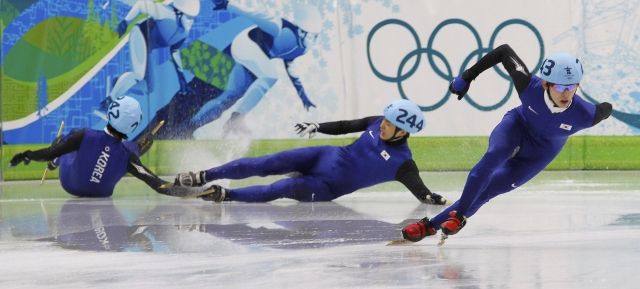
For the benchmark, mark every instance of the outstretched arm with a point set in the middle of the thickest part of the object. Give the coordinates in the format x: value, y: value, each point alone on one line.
x: 409, y: 176
x: 68, y: 144
x: 510, y: 60
x: 334, y: 127
x: 346, y: 126
x: 502, y: 54
x: 137, y: 169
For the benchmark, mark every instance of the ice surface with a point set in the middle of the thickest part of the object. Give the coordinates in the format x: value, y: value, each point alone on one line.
x: 562, y: 230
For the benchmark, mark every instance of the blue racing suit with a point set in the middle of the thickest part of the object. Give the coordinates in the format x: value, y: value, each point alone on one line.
x: 328, y: 172
x: 527, y: 139
x: 92, y: 162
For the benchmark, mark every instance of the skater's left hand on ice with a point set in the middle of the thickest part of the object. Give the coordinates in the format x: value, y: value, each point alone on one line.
x: 20, y: 158
x: 304, y: 128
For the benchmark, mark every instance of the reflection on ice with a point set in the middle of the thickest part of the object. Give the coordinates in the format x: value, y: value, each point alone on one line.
x: 550, y: 234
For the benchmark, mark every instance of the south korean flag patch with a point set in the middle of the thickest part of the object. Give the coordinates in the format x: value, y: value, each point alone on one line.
x: 565, y: 126
x: 385, y: 155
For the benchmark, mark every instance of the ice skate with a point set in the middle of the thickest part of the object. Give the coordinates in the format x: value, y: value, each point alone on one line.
x: 415, y: 232
x: 214, y: 193
x: 451, y: 226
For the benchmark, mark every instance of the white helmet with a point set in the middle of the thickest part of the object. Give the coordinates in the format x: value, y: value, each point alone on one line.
x: 405, y: 115
x: 188, y: 7
x: 125, y: 114
x: 308, y: 18
x: 561, y: 68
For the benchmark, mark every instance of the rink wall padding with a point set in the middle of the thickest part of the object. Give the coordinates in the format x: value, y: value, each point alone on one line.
x: 430, y: 153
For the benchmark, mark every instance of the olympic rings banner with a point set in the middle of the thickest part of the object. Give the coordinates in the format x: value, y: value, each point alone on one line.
x: 214, y: 69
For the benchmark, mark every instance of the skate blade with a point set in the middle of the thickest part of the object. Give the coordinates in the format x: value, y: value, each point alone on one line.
x: 399, y: 242
x: 167, y: 186
x: 44, y: 175
x: 443, y: 237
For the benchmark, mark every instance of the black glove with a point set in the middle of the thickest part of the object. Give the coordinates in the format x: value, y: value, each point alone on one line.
x: 459, y: 87
x: 20, y: 158
x: 305, y: 128
x: 191, y: 179
x: 435, y: 199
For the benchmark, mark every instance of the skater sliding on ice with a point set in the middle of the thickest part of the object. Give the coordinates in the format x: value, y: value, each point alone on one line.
x: 526, y: 140
x: 92, y: 162
x: 381, y: 154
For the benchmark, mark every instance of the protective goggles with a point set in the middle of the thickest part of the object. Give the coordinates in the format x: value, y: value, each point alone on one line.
x: 562, y: 88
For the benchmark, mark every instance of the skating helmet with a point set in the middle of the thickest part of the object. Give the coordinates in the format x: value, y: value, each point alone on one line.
x: 125, y: 114
x: 188, y: 7
x: 405, y: 115
x: 561, y: 68
x: 308, y: 18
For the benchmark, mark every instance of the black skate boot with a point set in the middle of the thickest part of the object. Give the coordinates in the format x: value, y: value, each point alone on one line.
x: 215, y: 193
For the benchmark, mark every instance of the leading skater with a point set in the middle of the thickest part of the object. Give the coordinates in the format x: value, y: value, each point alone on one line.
x: 526, y: 140
x: 92, y: 162
x: 327, y: 172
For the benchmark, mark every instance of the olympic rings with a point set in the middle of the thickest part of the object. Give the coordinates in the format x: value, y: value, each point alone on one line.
x: 448, y: 74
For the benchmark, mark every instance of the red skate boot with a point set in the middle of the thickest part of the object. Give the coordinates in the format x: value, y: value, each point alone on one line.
x: 453, y: 224
x: 417, y: 231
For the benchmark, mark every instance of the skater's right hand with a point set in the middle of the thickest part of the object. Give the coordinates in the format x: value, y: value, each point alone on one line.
x: 459, y: 87
x: 20, y: 158
x: 190, y: 179
x: 122, y: 28
x: 305, y: 128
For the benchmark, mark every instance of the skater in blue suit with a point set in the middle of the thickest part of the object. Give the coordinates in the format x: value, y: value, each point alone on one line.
x: 92, y: 162
x: 380, y: 154
x: 527, y: 139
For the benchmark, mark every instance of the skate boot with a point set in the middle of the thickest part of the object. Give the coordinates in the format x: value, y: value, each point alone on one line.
x: 417, y: 231
x: 453, y: 224
x: 435, y: 199
x: 191, y: 179
x: 215, y: 193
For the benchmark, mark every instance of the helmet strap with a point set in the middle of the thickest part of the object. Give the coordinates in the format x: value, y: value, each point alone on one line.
x: 395, y: 137
x: 549, y: 96
x: 113, y: 132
